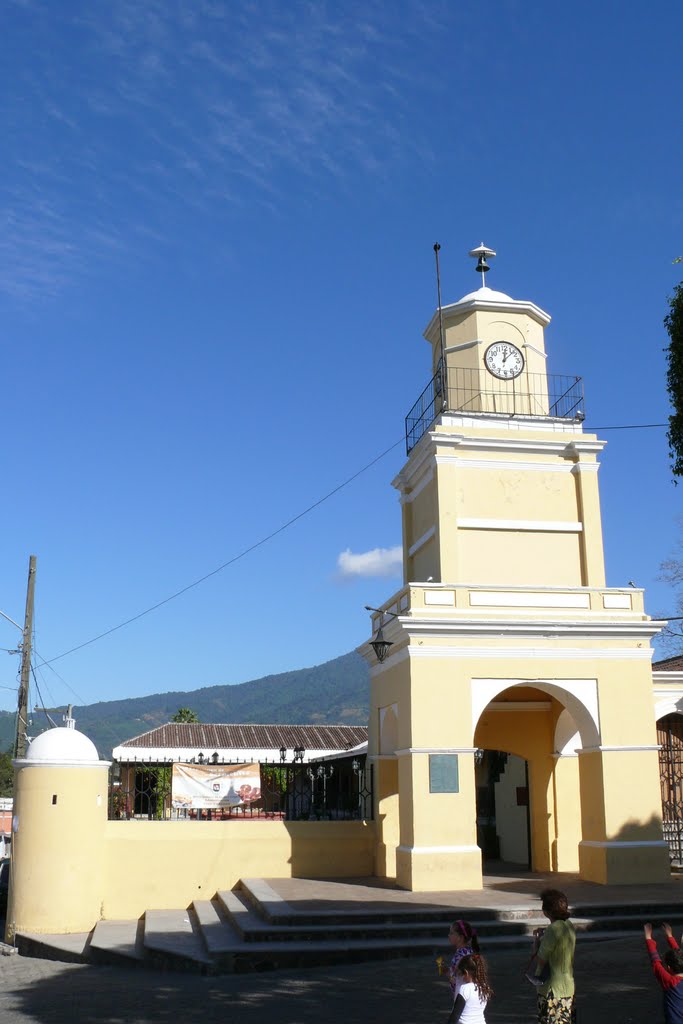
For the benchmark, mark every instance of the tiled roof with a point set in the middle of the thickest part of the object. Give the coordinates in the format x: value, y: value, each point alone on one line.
x: 674, y: 664
x: 250, y: 737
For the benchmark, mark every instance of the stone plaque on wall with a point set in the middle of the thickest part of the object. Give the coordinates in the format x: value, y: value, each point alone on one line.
x: 443, y: 773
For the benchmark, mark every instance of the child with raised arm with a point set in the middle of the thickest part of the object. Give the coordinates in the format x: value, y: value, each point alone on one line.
x: 669, y: 974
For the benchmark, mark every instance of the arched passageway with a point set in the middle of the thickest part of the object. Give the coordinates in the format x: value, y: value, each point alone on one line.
x: 530, y: 813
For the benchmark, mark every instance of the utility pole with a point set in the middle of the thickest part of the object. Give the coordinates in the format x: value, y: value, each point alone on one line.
x: 22, y: 704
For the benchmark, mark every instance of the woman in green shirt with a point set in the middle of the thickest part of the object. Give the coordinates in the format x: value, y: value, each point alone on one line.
x: 556, y: 950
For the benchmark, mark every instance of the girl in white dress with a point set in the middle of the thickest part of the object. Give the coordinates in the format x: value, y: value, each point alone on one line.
x: 474, y: 991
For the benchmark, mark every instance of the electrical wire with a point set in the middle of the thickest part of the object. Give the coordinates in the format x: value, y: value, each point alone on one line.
x: 104, y: 725
x: 630, y: 426
x: 40, y: 697
x: 264, y: 540
x: 231, y: 561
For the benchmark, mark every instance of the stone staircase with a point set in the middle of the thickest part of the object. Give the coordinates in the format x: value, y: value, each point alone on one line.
x: 253, y: 928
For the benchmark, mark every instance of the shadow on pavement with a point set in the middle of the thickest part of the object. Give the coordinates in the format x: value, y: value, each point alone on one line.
x: 614, y: 984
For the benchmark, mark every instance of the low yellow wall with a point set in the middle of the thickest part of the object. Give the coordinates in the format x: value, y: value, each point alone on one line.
x: 162, y: 865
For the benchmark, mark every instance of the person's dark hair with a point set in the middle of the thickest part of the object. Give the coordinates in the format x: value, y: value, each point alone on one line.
x: 555, y: 904
x: 673, y: 961
x: 475, y: 966
x: 468, y: 933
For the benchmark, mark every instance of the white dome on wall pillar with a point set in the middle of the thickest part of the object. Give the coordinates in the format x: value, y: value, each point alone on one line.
x: 61, y: 747
x: 60, y: 818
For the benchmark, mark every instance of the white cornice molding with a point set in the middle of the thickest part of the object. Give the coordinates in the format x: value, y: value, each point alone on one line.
x: 542, y: 628
x: 516, y: 465
x: 586, y: 447
x: 417, y: 488
x: 534, y: 652
x: 420, y: 460
x: 617, y: 750
x: 556, y: 445
x: 661, y: 677
x: 537, y: 446
x: 510, y: 424
x: 483, y: 304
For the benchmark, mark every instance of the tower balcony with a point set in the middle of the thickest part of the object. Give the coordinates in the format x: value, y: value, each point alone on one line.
x: 468, y: 611
x: 467, y: 390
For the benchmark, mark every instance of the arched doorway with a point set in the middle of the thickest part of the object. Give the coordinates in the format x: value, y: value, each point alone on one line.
x: 543, y: 725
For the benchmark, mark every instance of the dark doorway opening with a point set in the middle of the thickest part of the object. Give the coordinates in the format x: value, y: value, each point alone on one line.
x: 503, y: 814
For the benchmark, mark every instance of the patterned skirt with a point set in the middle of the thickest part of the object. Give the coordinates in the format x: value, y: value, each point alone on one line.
x: 556, y: 1009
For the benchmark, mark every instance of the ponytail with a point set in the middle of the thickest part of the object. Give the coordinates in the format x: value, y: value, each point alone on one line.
x: 476, y: 967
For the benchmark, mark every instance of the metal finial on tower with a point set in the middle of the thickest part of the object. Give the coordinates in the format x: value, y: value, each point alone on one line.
x: 480, y: 254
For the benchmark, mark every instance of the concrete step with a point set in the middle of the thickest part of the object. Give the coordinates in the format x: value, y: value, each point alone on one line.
x: 173, y: 940
x: 71, y: 948
x: 217, y: 931
x: 117, y: 942
x: 254, y: 928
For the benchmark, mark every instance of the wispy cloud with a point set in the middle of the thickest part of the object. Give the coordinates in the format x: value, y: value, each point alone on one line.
x: 377, y: 562
x: 128, y: 110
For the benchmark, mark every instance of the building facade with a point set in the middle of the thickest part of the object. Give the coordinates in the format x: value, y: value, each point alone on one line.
x: 504, y: 637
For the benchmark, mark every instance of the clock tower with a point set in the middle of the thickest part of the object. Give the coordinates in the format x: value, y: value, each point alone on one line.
x: 504, y: 636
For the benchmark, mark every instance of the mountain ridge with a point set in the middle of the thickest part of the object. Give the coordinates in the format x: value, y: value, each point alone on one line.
x: 333, y: 693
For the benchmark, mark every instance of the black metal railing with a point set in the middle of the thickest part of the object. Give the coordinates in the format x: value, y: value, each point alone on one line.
x: 319, y: 791
x: 670, y: 739
x: 474, y: 391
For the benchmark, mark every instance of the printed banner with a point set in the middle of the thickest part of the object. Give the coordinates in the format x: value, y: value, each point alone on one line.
x: 205, y: 786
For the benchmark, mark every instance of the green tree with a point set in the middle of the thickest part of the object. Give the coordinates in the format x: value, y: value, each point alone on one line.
x: 6, y: 774
x: 674, y: 379
x: 185, y: 715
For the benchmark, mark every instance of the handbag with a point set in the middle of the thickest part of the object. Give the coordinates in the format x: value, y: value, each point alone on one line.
x: 537, y: 979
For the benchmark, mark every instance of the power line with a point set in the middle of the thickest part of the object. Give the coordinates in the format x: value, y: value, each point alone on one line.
x: 631, y: 426
x: 231, y: 561
x: 275, y: 533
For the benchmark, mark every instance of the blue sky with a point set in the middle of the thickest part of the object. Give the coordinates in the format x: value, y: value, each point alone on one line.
x: 216, y: 264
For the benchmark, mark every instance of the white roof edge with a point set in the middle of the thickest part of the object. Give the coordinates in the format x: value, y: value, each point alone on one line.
x: 360, y: 748
x: 225, y: 754
x: 471, y: 305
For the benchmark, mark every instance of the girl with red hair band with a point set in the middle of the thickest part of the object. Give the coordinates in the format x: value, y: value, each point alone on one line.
x: 463, y: 938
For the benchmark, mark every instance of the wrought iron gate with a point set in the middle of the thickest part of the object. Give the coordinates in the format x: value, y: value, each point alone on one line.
x: 670, y: 738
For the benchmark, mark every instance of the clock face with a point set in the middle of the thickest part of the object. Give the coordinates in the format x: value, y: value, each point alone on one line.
x: 504, y: 360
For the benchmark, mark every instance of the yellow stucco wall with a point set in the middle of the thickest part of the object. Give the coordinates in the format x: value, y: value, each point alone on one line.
x: 73, y: 867
x: 162, y: 865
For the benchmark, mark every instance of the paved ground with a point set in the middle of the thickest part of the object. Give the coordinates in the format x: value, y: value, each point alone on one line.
x: 614, y: 985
